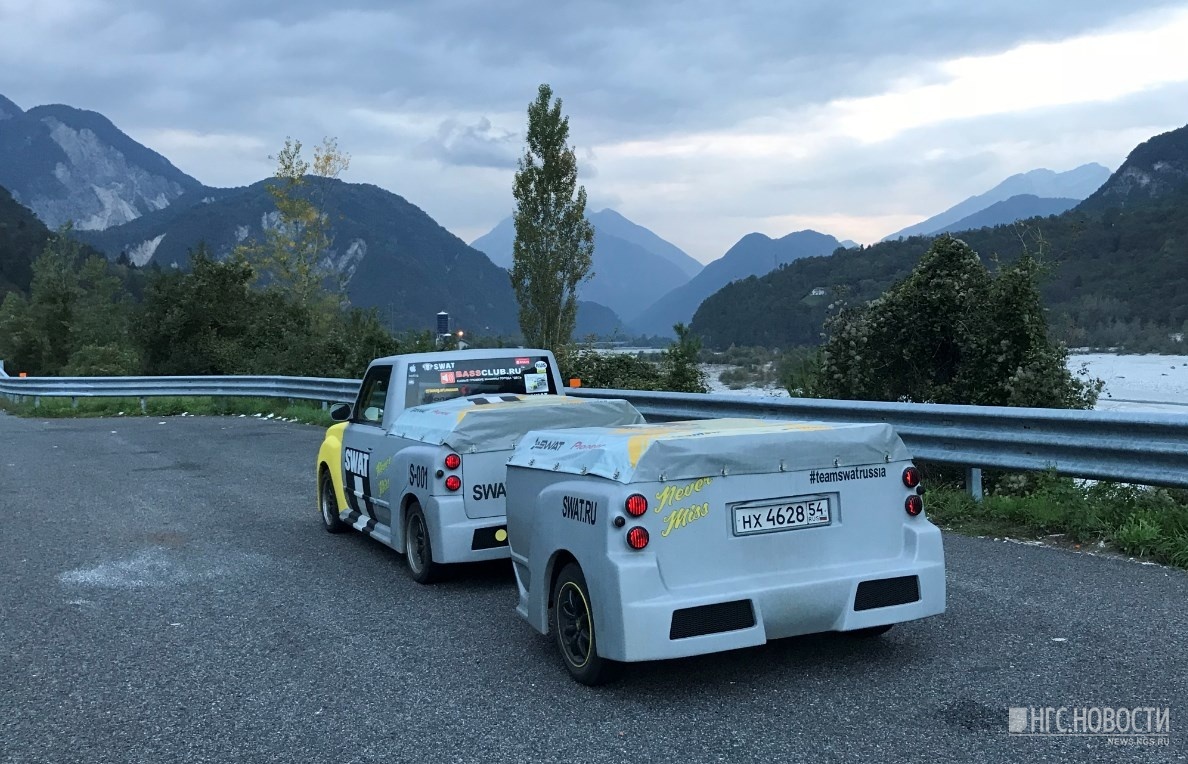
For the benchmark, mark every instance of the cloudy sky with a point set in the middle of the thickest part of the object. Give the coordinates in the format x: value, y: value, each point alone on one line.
x: 701, y: 120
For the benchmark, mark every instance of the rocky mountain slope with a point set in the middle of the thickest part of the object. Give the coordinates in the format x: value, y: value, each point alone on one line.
x: 71, y: 165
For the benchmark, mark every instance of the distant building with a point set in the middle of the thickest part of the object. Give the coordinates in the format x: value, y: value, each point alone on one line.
x: 818, y: 292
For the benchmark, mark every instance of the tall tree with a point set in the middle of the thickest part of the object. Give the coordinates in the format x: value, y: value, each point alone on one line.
x: 554, y: 245
x: 294, y: 256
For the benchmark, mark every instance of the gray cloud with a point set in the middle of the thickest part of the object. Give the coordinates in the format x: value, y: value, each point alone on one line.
x: 477, y: 145
x: 430, y: 98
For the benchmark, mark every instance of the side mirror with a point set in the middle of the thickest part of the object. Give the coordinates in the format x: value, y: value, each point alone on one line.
x: 340, y: 412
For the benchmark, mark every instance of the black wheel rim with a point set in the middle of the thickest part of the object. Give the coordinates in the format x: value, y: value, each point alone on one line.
x: 574, y: 627
x: 416, y: 543
x: 328, y: 504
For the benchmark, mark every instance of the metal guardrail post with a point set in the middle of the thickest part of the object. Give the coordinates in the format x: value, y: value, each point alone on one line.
x: 2, y: 372
x: 973, y: 482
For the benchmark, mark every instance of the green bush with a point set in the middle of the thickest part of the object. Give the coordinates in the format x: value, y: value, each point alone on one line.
x: 952, y: 332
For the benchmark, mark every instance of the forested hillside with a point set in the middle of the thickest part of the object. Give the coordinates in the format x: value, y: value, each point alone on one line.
x: 22, y: 237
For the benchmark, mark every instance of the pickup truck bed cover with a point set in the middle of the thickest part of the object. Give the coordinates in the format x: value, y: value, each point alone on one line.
x: 498, y: 422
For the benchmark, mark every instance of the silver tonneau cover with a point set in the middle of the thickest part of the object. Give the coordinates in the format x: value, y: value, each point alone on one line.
x: 498, y: 422
x: 689, y: 450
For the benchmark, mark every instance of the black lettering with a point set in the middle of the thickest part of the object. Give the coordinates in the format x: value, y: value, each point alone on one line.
x: 484, y: 491
x: 418, y: 476
x: 579, y: 509
x: 841, y: 476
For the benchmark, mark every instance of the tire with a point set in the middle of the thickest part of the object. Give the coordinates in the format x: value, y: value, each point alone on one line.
x: 328, y: 504
x: 572, y: 624
x: 418, y: 549
x: 871, y: 631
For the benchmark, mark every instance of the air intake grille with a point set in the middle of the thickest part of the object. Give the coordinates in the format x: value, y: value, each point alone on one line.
x: 886, y: 592
x: 711, y: 619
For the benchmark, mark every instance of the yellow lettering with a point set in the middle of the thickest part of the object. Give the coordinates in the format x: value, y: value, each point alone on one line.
x: 671, y: 494
x: 679, y: 518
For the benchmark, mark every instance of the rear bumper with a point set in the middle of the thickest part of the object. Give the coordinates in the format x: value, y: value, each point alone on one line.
x: 743, y: 612
x: 454, y: 536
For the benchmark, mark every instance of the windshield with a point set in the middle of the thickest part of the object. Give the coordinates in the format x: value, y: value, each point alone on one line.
x: 442, y: 380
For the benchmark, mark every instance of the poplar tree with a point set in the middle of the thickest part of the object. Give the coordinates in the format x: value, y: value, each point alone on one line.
x: 554, y: 244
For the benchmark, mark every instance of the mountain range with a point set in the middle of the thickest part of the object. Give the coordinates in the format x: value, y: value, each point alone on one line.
x: 1118, y: 265
x: 754, y: 254
x: 1042, y: 184
x: 68, y: 164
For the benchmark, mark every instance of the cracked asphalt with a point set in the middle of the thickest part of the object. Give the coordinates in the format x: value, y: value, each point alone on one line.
x: 167, y: 594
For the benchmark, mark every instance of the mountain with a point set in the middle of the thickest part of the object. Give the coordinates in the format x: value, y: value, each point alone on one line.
x: 611, y: 223
x: 1118, y: 266
x: 1155, y: 168
x: 1077, y: 183
x: 754, y: 254
x: 626, y: 273
x: 393, y: 255
x: 71, y: 165
x: 498, y: 243
x: 1016, y: 208
x: 595, y: 319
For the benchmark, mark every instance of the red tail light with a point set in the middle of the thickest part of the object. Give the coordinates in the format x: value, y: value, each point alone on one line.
x: 637, y: 537
x: 453, y: 461
x: 911, y: 477
x: 636, y: 505
x: 914, y: 505
x: 453, y: 483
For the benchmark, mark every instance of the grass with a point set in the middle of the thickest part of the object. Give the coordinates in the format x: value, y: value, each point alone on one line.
x: 275, y: 408
x: 1141, y: 521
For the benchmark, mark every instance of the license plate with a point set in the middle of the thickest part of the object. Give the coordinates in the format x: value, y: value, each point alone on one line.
x: 782, y: 516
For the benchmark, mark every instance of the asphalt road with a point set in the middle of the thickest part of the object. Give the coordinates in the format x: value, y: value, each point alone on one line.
x: 167, y: 594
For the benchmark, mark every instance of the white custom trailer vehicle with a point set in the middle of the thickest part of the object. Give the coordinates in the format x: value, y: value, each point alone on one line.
x: 419, y: 465
x: 660, y: 541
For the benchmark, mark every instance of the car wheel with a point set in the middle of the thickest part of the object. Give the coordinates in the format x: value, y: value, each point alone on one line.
x: 329, y: 505
x: 418, y: 550
x: 573, y: 628
x: 871, y: 631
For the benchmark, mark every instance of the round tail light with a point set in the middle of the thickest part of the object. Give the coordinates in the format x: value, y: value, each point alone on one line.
x: 637, y: 537
x: 636, y: 505
x: 911, y: 477
x: 453, y: 483
x: 914, y: 505
x: 453, y: 461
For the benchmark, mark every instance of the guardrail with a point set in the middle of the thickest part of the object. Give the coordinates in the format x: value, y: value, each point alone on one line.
x: 1139, y: 447
x: 297, y: 388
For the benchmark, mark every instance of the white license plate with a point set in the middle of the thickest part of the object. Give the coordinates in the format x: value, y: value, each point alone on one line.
x: 782, y: 516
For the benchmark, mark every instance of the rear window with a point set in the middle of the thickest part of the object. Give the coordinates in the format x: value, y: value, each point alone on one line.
x: 442, y: 380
